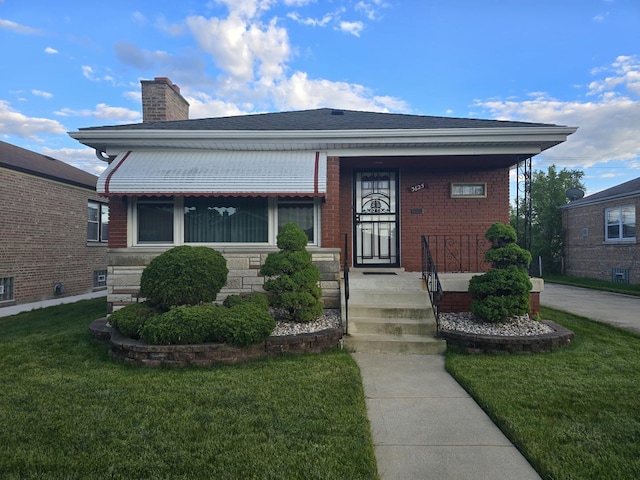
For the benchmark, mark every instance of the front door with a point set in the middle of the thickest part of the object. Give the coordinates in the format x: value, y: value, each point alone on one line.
x: 376, y: 218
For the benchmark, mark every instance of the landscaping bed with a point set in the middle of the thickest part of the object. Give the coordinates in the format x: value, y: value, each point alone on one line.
x: 137, y: 352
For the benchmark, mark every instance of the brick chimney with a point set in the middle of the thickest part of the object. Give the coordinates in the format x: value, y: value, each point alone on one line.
x: 161, y: 101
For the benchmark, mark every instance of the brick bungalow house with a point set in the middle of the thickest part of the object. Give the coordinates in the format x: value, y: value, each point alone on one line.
x: 53, y: 228
x: 365, y: 184
x: 600, y: 234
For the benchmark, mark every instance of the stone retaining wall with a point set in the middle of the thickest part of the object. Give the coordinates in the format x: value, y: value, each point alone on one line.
x: 547, y: 342
x: 126, y: 266
x: 136, y: 352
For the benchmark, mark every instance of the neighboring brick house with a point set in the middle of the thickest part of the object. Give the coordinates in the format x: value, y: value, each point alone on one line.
x: 600, y: 236
x: 53, y: 228
x: 376, y: 182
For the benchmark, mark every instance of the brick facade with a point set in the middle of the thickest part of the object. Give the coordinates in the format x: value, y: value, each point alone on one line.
x: 44, y: 237
x: 586, y: 253
x: 161, y: 101
x: 431, y: 210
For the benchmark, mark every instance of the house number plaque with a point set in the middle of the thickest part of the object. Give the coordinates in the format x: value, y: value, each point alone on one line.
x: 417, y: 187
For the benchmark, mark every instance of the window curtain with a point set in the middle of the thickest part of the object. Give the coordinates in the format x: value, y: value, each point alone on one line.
x: 226, y: 220
x: 300, y: 214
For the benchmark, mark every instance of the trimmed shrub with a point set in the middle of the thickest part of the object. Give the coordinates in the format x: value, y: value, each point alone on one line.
x: 293, y: 282
x: 503, y: 291
x: 244, y: 324
x: 131, y: 319
x: 256, y: 298
x: 184, y: 275
x: 500, y: 293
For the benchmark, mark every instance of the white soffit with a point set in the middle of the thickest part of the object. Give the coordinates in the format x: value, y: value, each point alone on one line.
x: 214, y: 173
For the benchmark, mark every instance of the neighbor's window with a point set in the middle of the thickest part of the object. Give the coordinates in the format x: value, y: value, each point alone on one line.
x: 469, y: 190
x: 620, y: 223
x: 6, y: 289
x: 97, y: 222
x: 300, y: 213
x: 155, y: 221
x: 226, y: 220
x: 99, y: 278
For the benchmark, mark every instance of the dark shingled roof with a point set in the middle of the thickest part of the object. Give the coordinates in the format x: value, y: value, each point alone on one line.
x: 632, y: 187
x: 22, y: 160
x: 321, y: 119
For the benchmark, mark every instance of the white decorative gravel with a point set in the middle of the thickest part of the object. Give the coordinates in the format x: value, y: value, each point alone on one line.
x: 330, y: 319
x: 516, y: 326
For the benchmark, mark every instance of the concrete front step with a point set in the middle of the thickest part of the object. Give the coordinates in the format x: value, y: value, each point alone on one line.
x: 373, y: 311
x: 408, y: 344
x: 395, y: 326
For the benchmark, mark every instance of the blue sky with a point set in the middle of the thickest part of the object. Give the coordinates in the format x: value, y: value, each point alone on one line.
x: 72, y: 64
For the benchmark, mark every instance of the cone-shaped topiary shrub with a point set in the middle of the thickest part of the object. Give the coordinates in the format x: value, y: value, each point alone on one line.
x: 184, y: 275
x: 503, y: 291
x: 293, y: 282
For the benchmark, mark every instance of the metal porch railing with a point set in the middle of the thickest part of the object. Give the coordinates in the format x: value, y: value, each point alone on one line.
x: 432, y: 282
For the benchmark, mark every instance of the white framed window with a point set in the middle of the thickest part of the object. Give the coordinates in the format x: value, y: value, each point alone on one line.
x: 301, y: 212
x: 154, y: 221
x: 97, y: 222
x: 469, y: 190
x: 620, y: 224
x: 6, y: 289
x: 220, y: 220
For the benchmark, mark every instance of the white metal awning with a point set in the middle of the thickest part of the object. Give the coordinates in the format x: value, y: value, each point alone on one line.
x: 215, y: 173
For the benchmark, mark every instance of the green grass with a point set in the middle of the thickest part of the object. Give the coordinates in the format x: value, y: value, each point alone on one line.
x: 616, y: 287
x: 68, y: 411
x: 575, y: 413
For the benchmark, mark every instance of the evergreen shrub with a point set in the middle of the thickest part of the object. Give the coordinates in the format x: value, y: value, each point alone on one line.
x: 503, y: 291
x: 130, y: 320
x: 293, y: 282
x: 184, y: 275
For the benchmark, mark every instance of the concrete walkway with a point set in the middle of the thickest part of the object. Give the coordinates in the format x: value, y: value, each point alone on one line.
x: 426, y: 426
x: 27, y: 307
x: 620, y: 310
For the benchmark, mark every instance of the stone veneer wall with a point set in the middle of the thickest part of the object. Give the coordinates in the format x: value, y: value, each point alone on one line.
x: 125, y: 267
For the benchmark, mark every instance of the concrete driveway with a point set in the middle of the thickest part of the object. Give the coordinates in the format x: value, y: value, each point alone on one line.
x: 620, y: 310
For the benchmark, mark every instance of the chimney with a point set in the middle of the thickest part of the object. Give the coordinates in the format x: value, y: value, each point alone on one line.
x: 161, y: 101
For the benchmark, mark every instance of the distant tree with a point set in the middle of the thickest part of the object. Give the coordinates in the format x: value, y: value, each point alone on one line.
x: 548, y: 193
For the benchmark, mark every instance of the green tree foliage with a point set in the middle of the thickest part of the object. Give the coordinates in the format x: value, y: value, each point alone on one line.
x: 184, y: 275
x: 293, y: 281
x: 548, y: 193
x: 503, y: 291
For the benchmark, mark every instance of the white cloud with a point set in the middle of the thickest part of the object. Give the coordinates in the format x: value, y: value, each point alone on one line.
x: 353, y: 28
x: 82, y: 158
x: 50, y: 50
x: 103, y: 112
x: 16, y: 27
x: 313, y: 22
x: 139, y: 18
x: 13, y: 122
x: 300, y: 92
x: 371, y: 9
x: 240, y: 44
x: 40, y: 93
x: 608, y: 118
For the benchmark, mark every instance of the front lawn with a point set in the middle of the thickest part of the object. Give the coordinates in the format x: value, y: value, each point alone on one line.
x: 68, y: 411
x: 575, y: 413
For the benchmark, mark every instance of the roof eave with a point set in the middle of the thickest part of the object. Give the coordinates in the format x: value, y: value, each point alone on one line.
x: 529, y: 139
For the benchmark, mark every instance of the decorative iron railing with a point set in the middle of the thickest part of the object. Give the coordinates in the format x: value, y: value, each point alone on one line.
x: 345, y: 269
x: 459, y: 253
x: 431, y: 280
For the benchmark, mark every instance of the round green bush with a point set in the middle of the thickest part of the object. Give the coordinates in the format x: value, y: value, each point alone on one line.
x: 509, y: 254
x: 184, y: 275
x: 500, y: 234
x: 131, y: 319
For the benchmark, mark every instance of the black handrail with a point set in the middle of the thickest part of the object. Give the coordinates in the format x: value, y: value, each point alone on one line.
x: 432, y: 282
x: 345, y: 269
